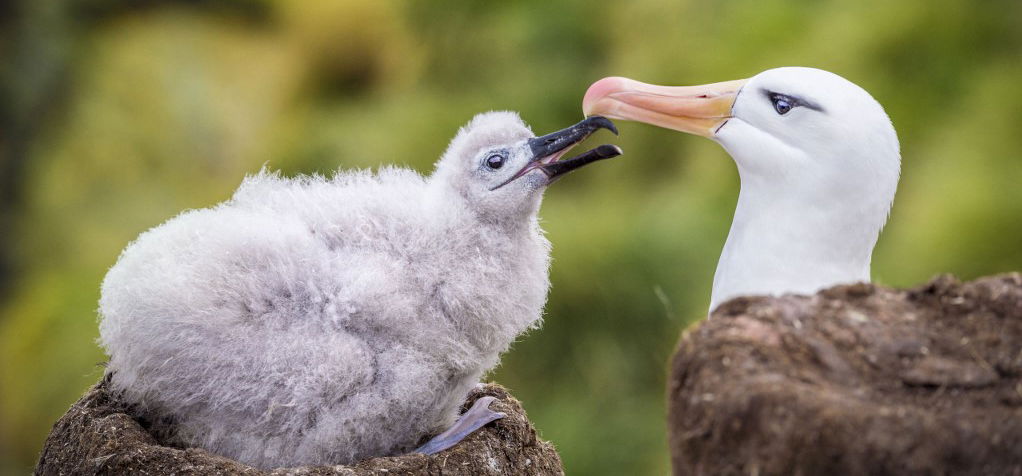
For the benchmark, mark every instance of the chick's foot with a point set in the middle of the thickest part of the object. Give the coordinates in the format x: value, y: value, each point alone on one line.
x: 472, y: 420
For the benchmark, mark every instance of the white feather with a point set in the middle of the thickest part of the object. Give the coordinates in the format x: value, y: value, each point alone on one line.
x: 817, y: 186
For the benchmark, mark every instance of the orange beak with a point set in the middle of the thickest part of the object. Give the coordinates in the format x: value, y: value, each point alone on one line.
x: 699, y: 110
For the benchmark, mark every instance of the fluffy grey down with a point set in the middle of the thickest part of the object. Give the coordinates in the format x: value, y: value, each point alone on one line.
x: 315, y: 320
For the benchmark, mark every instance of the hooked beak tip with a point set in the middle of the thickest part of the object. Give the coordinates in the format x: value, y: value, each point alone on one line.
x: 602, y: 122
x: 600, y: 90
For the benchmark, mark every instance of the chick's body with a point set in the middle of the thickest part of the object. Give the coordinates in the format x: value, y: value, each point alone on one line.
x: 321, y: 321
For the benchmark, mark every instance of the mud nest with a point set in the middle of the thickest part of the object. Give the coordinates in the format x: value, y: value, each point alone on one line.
x: 858, y: 379
x: 97, y: 436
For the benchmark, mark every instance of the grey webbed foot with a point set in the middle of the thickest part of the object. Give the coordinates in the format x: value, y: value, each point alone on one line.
x: 477, y: 416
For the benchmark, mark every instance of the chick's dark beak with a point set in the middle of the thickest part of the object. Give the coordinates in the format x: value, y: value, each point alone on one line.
x: 563, y: 139
x: 561, y: 167
x: 548, y: 149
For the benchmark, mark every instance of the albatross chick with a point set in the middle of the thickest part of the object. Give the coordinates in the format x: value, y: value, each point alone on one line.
x: 317, y: 320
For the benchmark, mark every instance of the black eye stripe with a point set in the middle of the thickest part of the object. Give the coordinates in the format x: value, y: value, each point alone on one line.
x: 794, y: 101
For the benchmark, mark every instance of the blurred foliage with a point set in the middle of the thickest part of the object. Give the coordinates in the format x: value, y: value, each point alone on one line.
x: 115, y: 115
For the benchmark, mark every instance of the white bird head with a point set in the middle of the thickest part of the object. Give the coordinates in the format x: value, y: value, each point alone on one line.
x: 818, y: 158
x: 498, y: 165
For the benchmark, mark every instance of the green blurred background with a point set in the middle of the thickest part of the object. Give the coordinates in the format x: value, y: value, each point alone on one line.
x: 116, y: 114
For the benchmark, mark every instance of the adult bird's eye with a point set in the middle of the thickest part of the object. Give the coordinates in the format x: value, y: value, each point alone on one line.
x: 782, y: 104
x: 495, y: 161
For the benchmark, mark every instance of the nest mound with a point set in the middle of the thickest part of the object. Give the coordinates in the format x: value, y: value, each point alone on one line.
x: 858, y: 379
x: 98, y: 436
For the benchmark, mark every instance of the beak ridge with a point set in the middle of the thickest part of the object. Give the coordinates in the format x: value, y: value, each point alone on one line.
x: 696, y: 110
x: 554, y: 142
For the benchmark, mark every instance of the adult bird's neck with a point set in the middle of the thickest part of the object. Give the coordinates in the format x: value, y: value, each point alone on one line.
x: 791, y: 241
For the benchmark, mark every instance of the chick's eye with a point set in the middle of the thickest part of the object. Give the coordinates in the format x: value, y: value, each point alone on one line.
x: 782, y: 104
x: 495, y: 161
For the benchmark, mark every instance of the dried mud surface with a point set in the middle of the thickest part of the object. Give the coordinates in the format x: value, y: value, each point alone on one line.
x: 858, y: 379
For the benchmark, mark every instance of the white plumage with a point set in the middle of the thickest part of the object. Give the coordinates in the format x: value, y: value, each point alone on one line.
x: 819, y: 164
x: 316, y: 320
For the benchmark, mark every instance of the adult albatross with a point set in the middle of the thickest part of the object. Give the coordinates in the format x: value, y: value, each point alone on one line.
x: 818, y: 160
